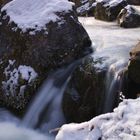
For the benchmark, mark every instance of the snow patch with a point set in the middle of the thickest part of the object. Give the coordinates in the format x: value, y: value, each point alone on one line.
x: 13, y: 78
x: 83, y: 7
x: 35, y: 14
x: 122, y: 124
x: 27, y: 73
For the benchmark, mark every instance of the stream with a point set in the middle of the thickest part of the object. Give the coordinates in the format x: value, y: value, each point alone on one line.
x: 112, y: 44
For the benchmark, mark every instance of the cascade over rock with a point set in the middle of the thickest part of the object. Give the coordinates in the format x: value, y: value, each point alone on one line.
x: 85, y: 94
x: 129, y: 17
x: 27, y: 56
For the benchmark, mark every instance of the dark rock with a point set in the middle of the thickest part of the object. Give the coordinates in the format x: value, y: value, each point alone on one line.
x: 3, y: 2
x: 134, y: 66
x: 85, y: 95
x: 129, y: 17
x: 65, y: 41
x: 130, y: 89
x: 134, y: 2
x: 108, y: 10
x: 131, y: 82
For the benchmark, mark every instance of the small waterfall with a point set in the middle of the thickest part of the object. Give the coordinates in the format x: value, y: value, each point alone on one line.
x: 113, y: 84
x: 45, y: 111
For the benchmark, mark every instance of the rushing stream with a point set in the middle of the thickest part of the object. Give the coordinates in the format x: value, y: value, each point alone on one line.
x: 112, y: 44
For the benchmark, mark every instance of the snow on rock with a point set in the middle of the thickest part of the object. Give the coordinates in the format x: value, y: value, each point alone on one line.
x: 129, y: 17
x: 35, y: 14
x: 108, y: 10
x: 83, y: 7
x: 122, y: 124
x: 27, y: 73
x: 13, y: 77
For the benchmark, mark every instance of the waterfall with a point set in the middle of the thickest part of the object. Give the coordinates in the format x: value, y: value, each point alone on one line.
x: 45, y: 111
x: 114, y: 80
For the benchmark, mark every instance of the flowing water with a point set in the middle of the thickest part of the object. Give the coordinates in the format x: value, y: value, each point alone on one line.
x: 113, y: 85
x: 111, y: 44
x: 45, y: 111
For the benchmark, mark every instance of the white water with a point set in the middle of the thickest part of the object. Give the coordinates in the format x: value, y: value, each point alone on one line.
x: 10, y: 129
x: 113, y: 85
x: 112, y: 45
x: 47, y: 103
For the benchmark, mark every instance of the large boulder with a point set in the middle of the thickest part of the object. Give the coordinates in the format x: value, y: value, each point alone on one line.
x: 34, y: 39
x: 129, y: 17
x: 85, y: 95
x: 134, y: 2
x: 108, y: 10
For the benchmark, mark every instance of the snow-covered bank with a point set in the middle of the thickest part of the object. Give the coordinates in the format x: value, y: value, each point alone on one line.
x: 35, y: 14
x: 122, y: 124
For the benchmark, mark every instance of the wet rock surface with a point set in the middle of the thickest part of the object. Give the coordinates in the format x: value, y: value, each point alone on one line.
x: 129, y: 17
x: 108, y: 10
x: 60, y: 44
x: 85, y: 95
